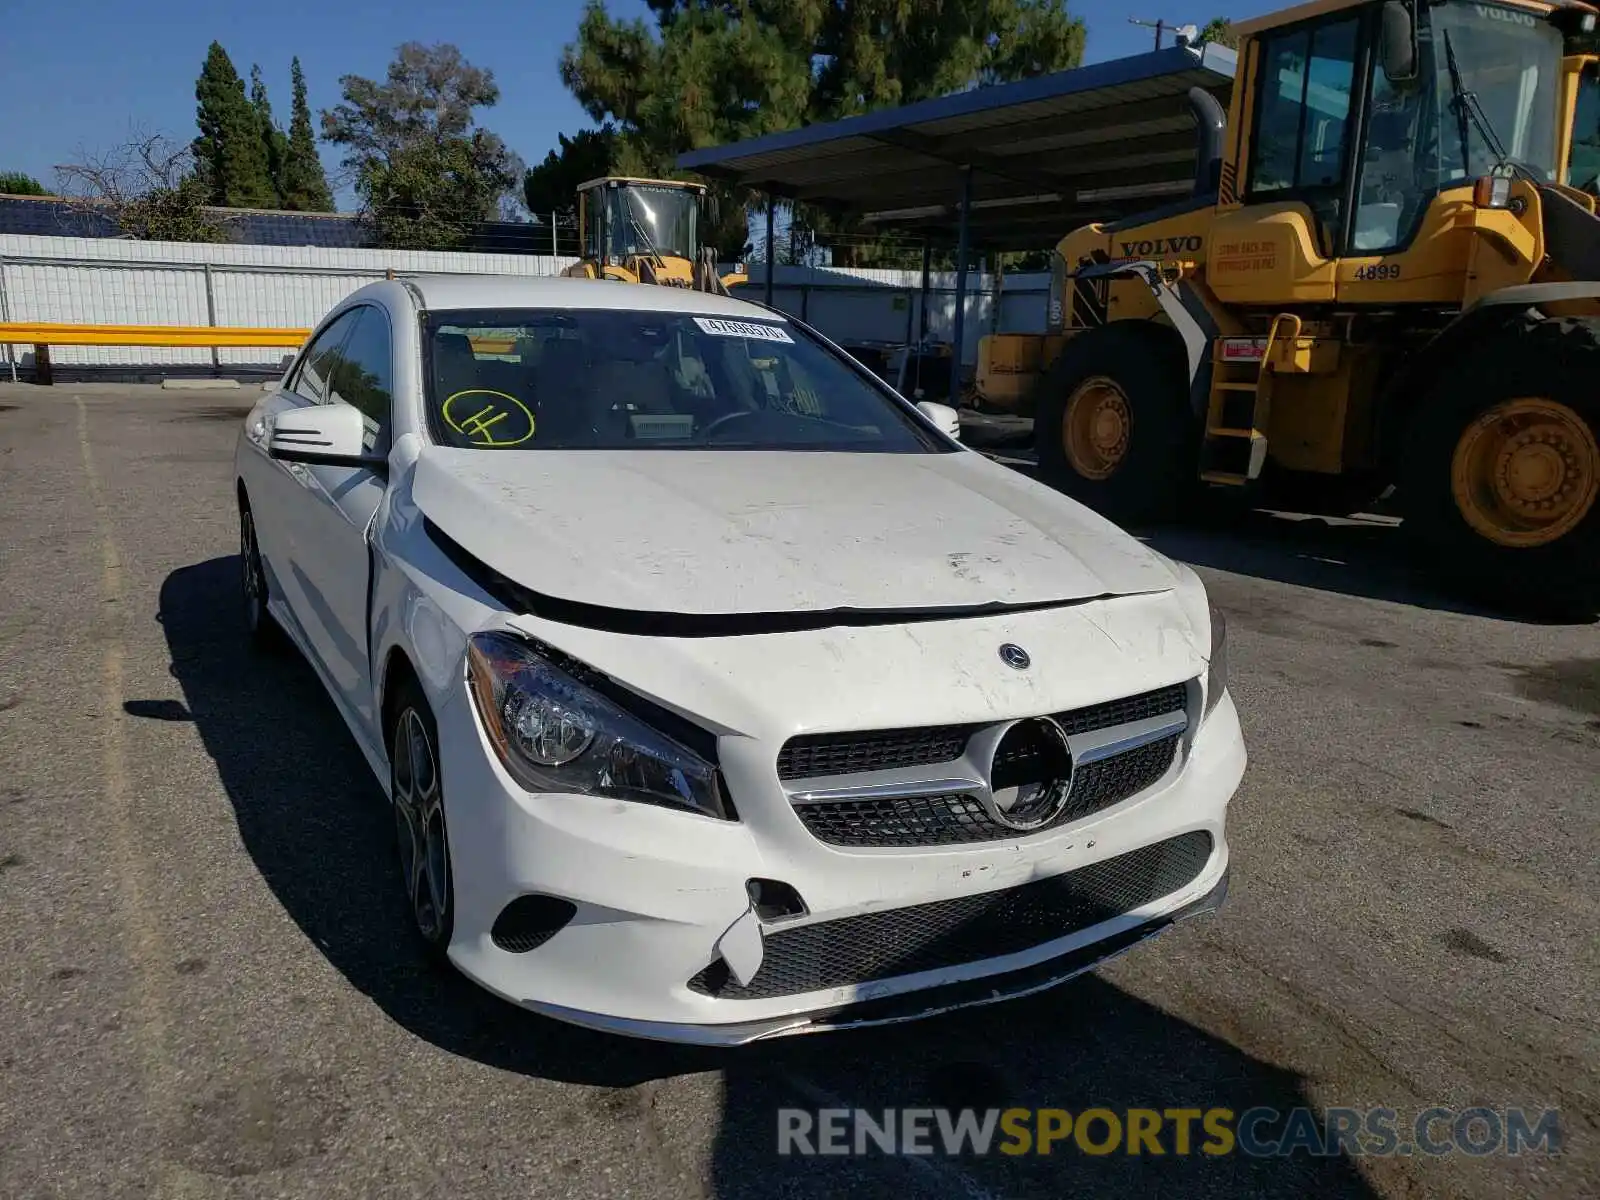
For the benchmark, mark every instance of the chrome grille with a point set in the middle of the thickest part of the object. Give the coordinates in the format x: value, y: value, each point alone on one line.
x: 950, y: 933
x: 1130, y: 708
x: 815, y: 755
x: 947, y: 806
x: 955, y: 818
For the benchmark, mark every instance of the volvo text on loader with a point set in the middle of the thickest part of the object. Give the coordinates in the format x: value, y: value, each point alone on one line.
x: 1384, y: 278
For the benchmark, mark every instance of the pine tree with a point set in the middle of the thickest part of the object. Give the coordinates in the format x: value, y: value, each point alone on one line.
x: 16, y: 183
x: 305, y: 186
x: 229, y: 152
x: 273, y: 142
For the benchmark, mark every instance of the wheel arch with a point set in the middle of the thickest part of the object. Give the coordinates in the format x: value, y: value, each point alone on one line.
x: 398, y: 670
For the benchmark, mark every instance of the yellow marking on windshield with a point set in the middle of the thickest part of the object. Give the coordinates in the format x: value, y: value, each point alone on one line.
x: 480, y: 429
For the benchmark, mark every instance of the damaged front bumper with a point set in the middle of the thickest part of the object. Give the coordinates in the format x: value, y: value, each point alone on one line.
x: 910, y: 1006
x: 660, y: 898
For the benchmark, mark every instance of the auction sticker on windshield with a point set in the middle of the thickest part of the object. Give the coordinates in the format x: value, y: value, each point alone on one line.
x: 744, y: 329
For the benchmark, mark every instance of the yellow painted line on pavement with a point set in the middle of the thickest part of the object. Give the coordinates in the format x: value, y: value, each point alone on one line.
x: 148, y: 949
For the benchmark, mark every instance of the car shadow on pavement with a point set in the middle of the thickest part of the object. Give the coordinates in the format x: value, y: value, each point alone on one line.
x: 319, y: 830
x: 1367, y: 558
x: 1086, y: 1044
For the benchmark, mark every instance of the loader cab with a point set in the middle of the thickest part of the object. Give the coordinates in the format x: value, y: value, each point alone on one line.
x: 623, y: 221
x: 1366, y: 112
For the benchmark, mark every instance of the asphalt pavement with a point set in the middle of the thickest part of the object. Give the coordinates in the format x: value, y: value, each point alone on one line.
x: 207, y: 988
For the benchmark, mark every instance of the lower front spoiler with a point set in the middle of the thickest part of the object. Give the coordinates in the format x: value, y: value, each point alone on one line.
x: 892, y: 1010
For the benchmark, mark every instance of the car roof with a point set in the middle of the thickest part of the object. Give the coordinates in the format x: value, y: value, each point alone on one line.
x: 445, y: 292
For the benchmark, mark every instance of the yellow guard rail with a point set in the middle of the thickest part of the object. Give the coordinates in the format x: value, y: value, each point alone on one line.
x: 35, y: 333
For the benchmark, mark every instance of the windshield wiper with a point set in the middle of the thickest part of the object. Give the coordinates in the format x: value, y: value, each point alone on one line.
x: 649, y: 242
x: 1469, y: 108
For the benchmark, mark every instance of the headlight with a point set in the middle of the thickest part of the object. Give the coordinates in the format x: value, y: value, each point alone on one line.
x: 557, y: 733
x: 1217, y: 671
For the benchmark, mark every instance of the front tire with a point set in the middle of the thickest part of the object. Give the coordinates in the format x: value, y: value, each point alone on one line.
x: 258, y: 620
x: 416, y: 788
x: 1113, y: 426
x: 1503, y: 488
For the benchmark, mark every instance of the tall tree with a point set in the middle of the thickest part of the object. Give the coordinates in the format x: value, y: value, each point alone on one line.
x: 1220, y: 31
x: 273, y: 142
x: 552, y: 186
x: 426, y: 173
x: 305, y: 184
x: 149, y: 186
x: 16, y: 183
x: 229, y: 152
x: 710, y: 73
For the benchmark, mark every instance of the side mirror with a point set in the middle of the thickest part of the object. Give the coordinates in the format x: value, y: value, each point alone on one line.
x: 329, y: 435
x: 946, y: 418
x: 1397, y: 42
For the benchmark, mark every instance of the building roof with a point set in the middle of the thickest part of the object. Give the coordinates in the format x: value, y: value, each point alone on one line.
x: 52, y: 216
x: 1046, y: 154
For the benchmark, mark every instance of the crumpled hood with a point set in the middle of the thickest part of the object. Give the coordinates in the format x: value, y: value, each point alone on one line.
x: 735, y: 532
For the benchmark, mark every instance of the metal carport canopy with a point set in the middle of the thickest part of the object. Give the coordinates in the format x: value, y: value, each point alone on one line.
x: 1045, y: 154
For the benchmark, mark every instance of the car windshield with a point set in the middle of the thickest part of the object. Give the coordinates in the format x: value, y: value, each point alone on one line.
x: 653, y: 220
x: 613, y: 379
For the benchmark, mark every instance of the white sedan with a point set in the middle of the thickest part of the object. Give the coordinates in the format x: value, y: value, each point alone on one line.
x: 719, y: 692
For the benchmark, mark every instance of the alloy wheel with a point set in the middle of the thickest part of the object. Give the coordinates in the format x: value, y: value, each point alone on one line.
x: 420, y: 828
x: 252, y: 577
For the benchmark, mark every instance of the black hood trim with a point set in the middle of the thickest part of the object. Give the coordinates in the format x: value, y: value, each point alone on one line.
x: 516, y: 598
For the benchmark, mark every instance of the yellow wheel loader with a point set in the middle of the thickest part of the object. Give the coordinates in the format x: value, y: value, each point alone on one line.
x: 647, y: 231
x: 1383, y: 278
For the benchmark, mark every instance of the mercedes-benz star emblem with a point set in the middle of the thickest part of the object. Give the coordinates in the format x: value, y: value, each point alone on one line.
x: 1015, y: 656
x: 1030, y: 774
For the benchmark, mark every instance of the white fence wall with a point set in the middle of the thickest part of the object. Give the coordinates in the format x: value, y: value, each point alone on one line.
x: 105, y: 281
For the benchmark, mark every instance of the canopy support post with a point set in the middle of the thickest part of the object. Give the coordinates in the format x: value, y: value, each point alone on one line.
x: 922, y: 312
x: 771, y: 258
x: 959, y: 332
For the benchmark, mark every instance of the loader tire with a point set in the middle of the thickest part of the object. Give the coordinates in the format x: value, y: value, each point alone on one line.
x: 1502, y: 485
x: 1113, y: 427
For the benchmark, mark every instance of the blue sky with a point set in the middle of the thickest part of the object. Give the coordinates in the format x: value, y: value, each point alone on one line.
x: 77, y: 75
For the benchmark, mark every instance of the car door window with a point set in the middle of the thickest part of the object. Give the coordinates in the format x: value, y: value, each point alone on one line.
x: 311, y: 377
x: 363, y: 374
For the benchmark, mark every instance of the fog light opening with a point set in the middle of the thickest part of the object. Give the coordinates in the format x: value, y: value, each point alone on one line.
x: 528, y: 922
x: 775, y: 900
